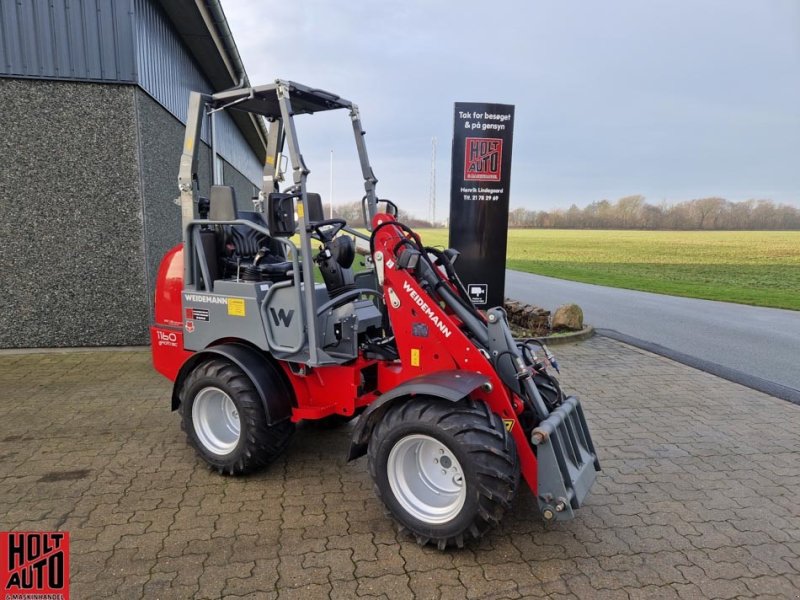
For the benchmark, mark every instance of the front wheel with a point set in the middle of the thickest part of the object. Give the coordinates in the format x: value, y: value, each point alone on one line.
x: 225, y: 421
x: 445, y: 471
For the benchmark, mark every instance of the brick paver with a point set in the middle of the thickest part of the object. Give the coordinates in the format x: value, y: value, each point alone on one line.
x: 698, y: 497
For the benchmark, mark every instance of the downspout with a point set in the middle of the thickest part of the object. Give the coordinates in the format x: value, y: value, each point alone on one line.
x: 217, y: 25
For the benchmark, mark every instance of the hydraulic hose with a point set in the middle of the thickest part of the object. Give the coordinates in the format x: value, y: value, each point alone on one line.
x: 475, y: 325
x: 429, y: 274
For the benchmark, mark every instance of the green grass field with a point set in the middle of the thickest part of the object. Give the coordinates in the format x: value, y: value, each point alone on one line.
x: 748, y: 267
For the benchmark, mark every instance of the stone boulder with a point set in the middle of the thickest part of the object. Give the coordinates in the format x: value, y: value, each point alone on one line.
x: 568, y: 317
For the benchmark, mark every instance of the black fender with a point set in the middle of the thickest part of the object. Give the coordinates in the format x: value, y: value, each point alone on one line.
x: 451, y: 385
x: 258, y: 367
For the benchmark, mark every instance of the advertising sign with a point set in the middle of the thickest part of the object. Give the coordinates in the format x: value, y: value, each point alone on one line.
x: 34, y: 565
x: 479, y: 194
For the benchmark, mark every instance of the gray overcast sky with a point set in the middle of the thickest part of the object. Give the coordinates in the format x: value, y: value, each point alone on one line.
x: 671, y: 99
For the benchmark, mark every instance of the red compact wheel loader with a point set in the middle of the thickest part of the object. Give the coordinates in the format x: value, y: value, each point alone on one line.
x: 451, y: 408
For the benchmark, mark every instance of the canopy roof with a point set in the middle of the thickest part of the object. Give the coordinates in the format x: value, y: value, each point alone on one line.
x: 263, y: 99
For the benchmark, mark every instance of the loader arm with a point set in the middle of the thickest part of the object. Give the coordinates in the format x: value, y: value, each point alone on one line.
x: 421, y: 295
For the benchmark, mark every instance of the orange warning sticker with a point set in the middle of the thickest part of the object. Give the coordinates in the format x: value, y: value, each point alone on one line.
x: 415, y: 357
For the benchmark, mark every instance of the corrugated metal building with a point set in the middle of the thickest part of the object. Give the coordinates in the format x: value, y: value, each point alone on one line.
x: 93, y: 97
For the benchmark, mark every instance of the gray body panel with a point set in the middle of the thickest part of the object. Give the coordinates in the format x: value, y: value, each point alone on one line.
x: 269, y: 316
x: 284, y: 318
x: 341, y: 325
x: 232, y: 311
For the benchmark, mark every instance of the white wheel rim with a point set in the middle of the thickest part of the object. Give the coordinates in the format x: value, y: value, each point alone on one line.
x: 426, y: 479
x: 216, y: 421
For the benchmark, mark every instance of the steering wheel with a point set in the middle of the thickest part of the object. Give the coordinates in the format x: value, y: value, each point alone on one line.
x: 326, y: 236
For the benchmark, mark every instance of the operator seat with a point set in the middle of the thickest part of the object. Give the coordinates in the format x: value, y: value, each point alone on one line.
x: 245, y: 253
x: 335, y: 260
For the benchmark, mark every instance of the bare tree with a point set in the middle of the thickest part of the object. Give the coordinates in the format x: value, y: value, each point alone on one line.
x: 708, y: 209
x: 633, y: 212
x: 629, y: 209
x: 652, y: 216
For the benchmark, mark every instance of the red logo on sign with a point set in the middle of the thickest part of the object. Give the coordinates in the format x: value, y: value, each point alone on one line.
x: 34, y: 564
x: 483, y: 158
x: 189, y: 314
x: 190, y: 326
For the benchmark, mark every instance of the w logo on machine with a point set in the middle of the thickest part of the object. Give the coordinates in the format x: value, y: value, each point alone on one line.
x: 282, y: 316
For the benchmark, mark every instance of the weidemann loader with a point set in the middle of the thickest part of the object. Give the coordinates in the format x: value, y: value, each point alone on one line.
x: 451, y: 408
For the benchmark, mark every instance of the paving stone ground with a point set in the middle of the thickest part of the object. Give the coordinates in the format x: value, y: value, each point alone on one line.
x: 699, y: 495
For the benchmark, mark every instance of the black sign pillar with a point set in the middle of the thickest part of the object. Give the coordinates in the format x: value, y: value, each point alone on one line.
x: 479, y: 195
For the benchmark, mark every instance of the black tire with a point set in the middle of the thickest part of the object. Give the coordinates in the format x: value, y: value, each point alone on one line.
x: 258, y: 443
x: 478, y: 441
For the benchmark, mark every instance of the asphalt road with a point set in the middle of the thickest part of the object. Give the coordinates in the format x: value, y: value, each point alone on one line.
x: 761, y: 343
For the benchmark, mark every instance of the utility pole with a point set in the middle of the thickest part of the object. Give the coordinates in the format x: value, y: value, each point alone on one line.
x: 330, y: 187
x: 432, y: 195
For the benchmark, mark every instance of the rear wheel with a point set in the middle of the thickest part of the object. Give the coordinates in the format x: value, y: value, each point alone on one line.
x: 446, y: 471
x: 225, y: 421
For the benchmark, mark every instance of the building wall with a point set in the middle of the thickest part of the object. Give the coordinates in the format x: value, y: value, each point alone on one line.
x: 245, y: 191
x: 117, y: 41
x: 87, y: 211
x: 90, y: 40
x: 72, y: 264
x: 93, y: 96
x: 161, y: 143
x: 169, y: 73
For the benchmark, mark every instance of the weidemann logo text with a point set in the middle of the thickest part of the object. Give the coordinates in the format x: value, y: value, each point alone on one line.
x: 426, y: 309
x: 206, y: 299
